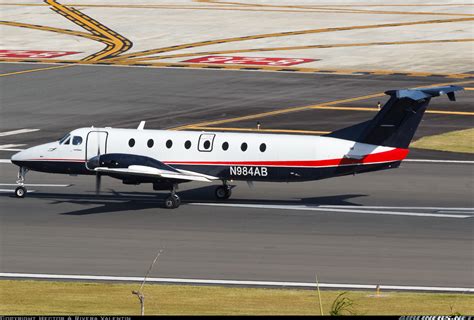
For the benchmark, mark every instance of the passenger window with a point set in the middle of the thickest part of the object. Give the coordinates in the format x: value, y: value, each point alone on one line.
x: 169, y: 144
x: 207, y: 144
x: 243, y: 147
x: 187, y: 144
x: 77, y: 140
x: 150, y: 143
x: 225, y: 146
x: 131, y: 143
x: 263, y: 147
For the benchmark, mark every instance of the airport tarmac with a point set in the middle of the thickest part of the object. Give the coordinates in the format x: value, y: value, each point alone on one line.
x: 57, y: 100
x: 409, y: 226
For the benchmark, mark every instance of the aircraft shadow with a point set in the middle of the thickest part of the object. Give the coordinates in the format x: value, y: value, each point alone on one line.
x: 112, y: 201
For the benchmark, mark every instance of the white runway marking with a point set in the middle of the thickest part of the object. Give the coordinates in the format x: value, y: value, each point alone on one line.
x: 348, y: 210
x: 11, y: 147
x: 439, y: 161
x: 36, y: 185
x: 452, y: 211
x: 12, y: 190
x: 398, y: 208
x: 19, y: 131
x: 232, y: 282
x: 5, y: 161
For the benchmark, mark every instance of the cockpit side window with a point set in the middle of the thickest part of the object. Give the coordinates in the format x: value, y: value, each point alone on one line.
x: 61, y: 141
x: 76, y: 140
x: 68, y: 140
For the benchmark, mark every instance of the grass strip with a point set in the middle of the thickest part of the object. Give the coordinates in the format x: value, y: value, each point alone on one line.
x: 454, y: 141
x: 53, y: 297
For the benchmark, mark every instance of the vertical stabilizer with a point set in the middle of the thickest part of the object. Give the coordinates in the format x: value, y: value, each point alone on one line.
x: 396, y: 123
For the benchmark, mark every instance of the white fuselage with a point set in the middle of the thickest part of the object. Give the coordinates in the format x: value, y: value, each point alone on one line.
x: 246, y: 156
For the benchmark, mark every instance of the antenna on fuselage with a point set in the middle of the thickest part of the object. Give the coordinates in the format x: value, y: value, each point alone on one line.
x: 141, y: 126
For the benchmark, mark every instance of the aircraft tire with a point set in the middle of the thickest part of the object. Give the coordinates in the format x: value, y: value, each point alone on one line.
x: 172, y: 202
x: 20, y: 192
x: 223, y: 192
x: 178, y: 200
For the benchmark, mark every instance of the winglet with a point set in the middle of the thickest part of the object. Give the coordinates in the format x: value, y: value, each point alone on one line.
x: 141, y: 125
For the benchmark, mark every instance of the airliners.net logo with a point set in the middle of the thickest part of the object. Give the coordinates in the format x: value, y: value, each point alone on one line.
x: 437, y: 318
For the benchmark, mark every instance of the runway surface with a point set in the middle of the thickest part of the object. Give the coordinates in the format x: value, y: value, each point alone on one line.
x: 74, y: 96
x: 67, y: 230
x: 274, y: 232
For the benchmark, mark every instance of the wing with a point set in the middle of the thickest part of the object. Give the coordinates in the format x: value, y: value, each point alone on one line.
x: 125, y: 165
x: 150, y: 172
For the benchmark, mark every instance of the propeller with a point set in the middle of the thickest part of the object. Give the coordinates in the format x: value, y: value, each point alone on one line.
x: 98, y: 181
x: 98, y: 176
x: 250, y: 184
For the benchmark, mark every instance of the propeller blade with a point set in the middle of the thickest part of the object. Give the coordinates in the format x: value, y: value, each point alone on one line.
x: 98, y: 182
x: 98, y: 154
x: 98, y: 176
x: 250, y: 184
x: 98, y: 143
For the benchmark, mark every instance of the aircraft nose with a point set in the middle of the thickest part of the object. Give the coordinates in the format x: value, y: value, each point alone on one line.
x: 17, y: 158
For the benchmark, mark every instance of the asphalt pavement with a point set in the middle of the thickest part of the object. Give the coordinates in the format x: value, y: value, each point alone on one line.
x: 408, y: 226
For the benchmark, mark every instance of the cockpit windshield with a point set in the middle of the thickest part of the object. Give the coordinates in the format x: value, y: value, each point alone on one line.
x: 61, y: 141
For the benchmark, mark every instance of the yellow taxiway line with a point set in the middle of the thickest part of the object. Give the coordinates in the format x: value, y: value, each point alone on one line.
x: 243, y: 68
x: 338, y: 8
x: 274, y: 112
x: 256, y: 130
x: 35, y: 70
x: 283, y: 34
x: 318, y: 46
x: 116, y: 44
x: 326, y: 105
x: 459, y: 113
x: 53, y: 29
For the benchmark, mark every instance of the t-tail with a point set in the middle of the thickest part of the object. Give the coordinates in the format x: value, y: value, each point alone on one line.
x: 396, y: 123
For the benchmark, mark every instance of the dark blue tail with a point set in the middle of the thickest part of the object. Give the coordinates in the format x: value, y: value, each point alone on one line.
x: 396, y: 123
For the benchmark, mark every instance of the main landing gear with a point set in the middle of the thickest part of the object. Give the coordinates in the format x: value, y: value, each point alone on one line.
x: 173, y: 200
x: 20, y: 191
x: 223, y: 192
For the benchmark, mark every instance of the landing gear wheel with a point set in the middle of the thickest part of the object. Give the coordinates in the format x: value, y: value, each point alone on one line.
x: 178, y: 200
x: 20, y: 192
x: 172, y: 202
x: 223, y: 192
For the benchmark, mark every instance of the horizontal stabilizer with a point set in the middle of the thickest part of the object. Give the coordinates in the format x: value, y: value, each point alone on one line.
x: 425, y: 93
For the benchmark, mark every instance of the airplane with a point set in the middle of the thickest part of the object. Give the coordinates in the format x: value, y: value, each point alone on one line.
x: 166, y: 158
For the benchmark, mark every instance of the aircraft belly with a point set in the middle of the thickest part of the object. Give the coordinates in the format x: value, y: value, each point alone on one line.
x: 283, y: 174
x: 64, y: 167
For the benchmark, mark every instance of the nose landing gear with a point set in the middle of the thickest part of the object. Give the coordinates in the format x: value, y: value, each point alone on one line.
x: 20, y: 191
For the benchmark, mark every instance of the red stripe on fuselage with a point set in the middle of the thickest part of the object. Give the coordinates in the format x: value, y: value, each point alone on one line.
x: 386, y: 156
